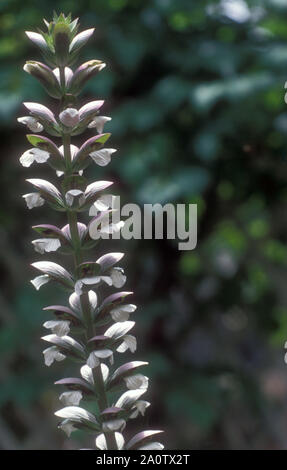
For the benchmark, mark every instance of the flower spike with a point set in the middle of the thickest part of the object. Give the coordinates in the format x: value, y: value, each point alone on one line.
x: 91, y: 331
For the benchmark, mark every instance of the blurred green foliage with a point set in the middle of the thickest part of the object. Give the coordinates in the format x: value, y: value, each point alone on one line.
x: 196, y: 93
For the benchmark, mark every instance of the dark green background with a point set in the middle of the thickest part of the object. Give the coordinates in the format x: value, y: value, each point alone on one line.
x: 197, y: 101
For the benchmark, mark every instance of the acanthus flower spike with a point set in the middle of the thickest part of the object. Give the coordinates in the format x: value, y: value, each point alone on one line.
x: 90, y: 331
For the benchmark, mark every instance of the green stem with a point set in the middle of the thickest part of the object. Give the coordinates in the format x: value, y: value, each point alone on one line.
x: 85, y: 304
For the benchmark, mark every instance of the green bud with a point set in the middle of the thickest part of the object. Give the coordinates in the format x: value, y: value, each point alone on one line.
x: 46, y: 77
x: 61, y: 36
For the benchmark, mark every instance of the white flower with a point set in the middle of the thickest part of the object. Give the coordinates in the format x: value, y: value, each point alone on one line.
x: 98, y: 122
x: 71, y: 398
x: 103, y: 204
x: 39, y: 281
x: 52, y: 354
x: 34, y: 155
x: 129, y: 398
x: 58, y: 327
x: 31, y: 123
x: 75, y: 301
x: 75, y: 414
x: 102, y: 445
x: 122, y: 313
x: 118, y: 277
x: 74, y: 196
x: 139, y: 408
x: 152, y: 446
x: 114, y: 425
x: 33, y: 200
x: 72, y: 415
x: 43, y: 245
x: 70, y: 117
x: 102, y: 157
x: 111, y: 228
x: 95, y: 356
x: 91, y: 281
x: 129, y: 342
x: 87, y: 373
x: 67, y: 427
x: 137, y: 381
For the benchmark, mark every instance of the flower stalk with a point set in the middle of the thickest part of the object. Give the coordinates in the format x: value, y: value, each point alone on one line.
x: 88, y: 332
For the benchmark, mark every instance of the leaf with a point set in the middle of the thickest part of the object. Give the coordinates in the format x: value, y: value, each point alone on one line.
x: 141, y: 438
x: 67, y: 345
x: 92, y: 190
x: 40, y: 111
x: 49, y: 192
x: 117, y: 330
x: 124, y: 371
x: 56, y: 160
x: 50, y: 231
x: 88, y: 269
x: 55, y: 272
x: 80, y: 40
x: 91, y: 145
x: 79, y: 416
x: 76, y: 384
x: 102, y: 316
x: 109, y: 260
x: 64, y: 313
x: 128, y: 399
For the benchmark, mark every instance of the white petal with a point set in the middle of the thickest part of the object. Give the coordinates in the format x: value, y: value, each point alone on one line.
x: 128, y: 399
x: 95, y: 356
x: 76, y: 414
x: 33, y: 200
x: 91, y: 281
x: 98, y: 122
x: 118, y: 330
x: 34, y: 155
x: 105, y: 371
x: 102, y: 157
x: 27, y: 158
x: 111, y: 228
x: 73, y: 196
x: 87, y: 373
x: 101, y: 442
x: 152, y: 446
x: 69, y: 117
x: 114, y: 425
x: 136, y: 381
x: 93, y: 298
x: 52, y: 354
x: 119, y: 440
x: 140, y: 406
x: 93, y: 361
x: 102, y: 204
x: 103, y: 353
x: 43, y: 245
x: 79, y: 288
x: 31, y: 123
x: 122, y: 313
x: 68, y: 74
x: 58, y: 327
x: 102, y: 445
x: 39, y: 281
x: 129, y: 342
x: 118, y: 277
x: 71, y: 398
x: 67, y: 427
